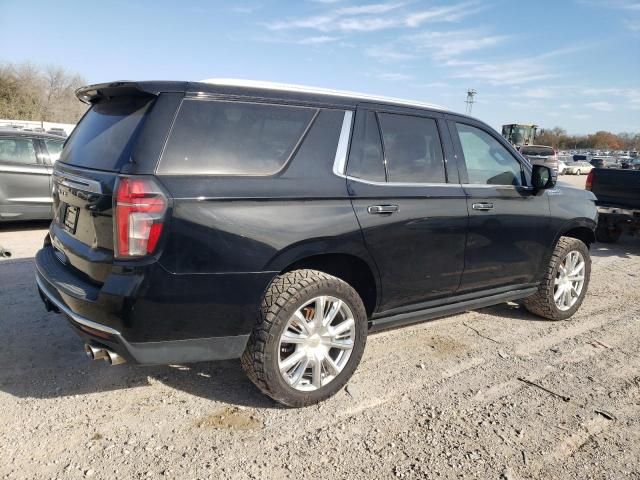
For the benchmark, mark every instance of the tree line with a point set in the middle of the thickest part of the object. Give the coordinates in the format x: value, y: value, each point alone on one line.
x: 41, y: 93
x: 602, y: 140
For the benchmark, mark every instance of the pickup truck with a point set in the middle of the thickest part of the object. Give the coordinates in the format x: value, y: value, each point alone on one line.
x: 618, y: 202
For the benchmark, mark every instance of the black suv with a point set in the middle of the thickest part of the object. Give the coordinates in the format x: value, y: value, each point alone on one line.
x: 217, y: 220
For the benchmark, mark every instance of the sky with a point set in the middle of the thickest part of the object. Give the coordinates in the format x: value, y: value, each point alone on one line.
x: 568, y: 63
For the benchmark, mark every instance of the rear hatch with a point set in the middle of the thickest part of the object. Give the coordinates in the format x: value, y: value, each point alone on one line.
x: 84, y: 179
x: 539, y: 154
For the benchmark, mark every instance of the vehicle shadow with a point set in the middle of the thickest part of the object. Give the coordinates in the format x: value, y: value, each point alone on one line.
x: 23, y: 226
x: 513, y: 311
x: 626, y: 247
x: 56, y: 367
x: 41, y: 356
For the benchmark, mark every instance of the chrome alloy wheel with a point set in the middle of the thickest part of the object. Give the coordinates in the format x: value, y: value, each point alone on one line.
x: 316, y: 343
x: 569, y: 280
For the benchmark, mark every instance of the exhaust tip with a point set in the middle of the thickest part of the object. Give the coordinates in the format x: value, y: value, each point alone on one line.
x: 95, y: 353
x: 113, y: 358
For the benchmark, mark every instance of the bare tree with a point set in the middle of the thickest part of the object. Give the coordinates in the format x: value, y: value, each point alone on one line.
x: 29, y: 92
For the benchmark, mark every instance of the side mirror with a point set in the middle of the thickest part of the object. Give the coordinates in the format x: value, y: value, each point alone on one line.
x: 543, y: 177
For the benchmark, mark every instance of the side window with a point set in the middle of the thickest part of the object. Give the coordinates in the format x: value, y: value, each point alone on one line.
x: 54, y: 148
x: 17, y: 150
x: 365, y: 158
x: 233, y: 138
x: 412, y: 149
x: 487, y: 161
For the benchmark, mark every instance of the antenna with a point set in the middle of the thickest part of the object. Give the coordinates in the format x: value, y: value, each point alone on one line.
x: 471, y: 94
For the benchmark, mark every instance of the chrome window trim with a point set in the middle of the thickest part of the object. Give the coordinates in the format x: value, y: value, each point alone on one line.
x: 342, y: 150
x: 448, y: 184
x: 401, y: 184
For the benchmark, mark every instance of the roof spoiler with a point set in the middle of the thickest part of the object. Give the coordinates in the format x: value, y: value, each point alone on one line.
x: 99, y: 91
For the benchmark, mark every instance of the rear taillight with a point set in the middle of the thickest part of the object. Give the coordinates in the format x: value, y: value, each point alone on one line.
x: 140, y: 207
x: 589, y: 182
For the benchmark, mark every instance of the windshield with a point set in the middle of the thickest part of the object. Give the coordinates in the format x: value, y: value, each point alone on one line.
x: 104, y: 137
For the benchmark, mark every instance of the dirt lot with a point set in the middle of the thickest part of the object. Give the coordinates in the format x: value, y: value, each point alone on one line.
x: 438, y: 400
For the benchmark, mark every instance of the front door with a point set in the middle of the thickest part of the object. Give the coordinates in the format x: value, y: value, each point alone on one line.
x: 509, y: 224
x: 411, y: 208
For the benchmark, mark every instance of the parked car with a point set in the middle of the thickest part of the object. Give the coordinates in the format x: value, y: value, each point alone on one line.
x: 562, y: 167
x: 26, y: 160
x: 579, y: 158
x: 578, y: 168
x: 216, y: 220
x: 618, y: 202
x: 540, y: 155
x: 57, y: 131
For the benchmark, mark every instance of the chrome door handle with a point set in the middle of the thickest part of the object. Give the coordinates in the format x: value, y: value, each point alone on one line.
x: 482, y: 206
x: 382, y: 209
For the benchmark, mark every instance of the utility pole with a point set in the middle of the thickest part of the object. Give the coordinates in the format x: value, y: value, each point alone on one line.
x: 471, y: 94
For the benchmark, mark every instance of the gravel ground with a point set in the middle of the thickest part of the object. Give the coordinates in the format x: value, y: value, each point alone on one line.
x: 441, y: 399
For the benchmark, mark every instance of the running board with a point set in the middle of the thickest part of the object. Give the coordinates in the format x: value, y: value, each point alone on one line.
x: 417, y: 316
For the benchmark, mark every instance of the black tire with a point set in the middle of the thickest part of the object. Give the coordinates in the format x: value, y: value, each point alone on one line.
x: 542, y: 302
x: 605, y: 234
x: 285, y: 294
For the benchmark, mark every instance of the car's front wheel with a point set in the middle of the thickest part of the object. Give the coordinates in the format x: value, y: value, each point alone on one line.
x: 309, y: 339
x: 565, y: 283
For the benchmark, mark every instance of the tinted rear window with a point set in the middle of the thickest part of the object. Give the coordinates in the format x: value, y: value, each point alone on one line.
x: 540, y: 151
x: 412, y: 149
x: 104, y: 137
x: 233, y: 138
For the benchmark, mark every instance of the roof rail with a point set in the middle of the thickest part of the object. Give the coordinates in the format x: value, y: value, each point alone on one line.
x: 233, y: 82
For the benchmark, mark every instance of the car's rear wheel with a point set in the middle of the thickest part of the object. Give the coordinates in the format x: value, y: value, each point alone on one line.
x: 565, y: 283
x: 309, y: 339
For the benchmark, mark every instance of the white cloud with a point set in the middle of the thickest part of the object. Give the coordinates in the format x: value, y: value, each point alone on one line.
x: 516, y: 72
x: 319, y: 40
x: 377, y: 16
x: 581, y: 116
x: 631, y: 96
x: 633, y: 25
x: 245, y: 9
x: 431, y: 85
x: 601, y: 106
x: 445, y: 45
x: 450, y: 13
x: 388, y: 54
x: 369, y: 9
x: 538, y: 93
x: 394, y: 76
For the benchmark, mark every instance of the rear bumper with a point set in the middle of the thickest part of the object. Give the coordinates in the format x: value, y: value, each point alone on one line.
x: 618, y: 217
x: 148, y: 353
x: 125, y: 325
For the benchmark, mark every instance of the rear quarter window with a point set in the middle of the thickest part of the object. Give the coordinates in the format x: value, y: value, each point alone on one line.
x: 233, y: 138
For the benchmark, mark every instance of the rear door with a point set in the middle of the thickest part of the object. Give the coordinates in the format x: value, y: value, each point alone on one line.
x: 509, y: 224
x: 25, y: 192
x: 410, y: 206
